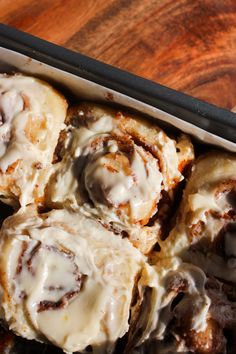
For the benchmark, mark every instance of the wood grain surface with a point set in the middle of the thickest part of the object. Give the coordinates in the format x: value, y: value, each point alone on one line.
x: 189, y: 45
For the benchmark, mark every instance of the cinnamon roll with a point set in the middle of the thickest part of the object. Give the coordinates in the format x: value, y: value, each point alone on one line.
x: 67, y: 280
x: 119, y: 169
x: 31, y: 116
x: 205, y: 231
x: 191, y: 313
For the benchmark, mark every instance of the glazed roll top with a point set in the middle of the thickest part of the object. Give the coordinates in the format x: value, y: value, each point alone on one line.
x: 205, y: 231
x: 190, y: 312
x: 67, y: 280
x: 117, y: 167
x: 195, y: 266
x: 172, y: 277
x: 31, y: 116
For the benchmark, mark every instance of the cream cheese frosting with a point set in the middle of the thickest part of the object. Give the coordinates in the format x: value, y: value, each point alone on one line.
x: 171, y: 277
x: 115, y: 168
x: 205, y: 230
x: 31, y: 116
x: 66, y: 279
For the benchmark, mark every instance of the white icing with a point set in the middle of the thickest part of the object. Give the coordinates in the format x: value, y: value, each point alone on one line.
x: 100, y: 178
x: 195, y: 295
x: 98, y: 313
x: 140, y: 189
x: 11, y: 104
x: 32, y: 115
x: 195, y: 301
x: 206, y: 200
x: 102, y: 125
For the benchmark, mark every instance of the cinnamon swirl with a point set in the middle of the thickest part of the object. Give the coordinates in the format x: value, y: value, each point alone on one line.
x: 205, y: 230
x: 66, y: 279
x: 120, y: 169
x: 31, y: 116
x: 204, y: 236
x: 191, y: 313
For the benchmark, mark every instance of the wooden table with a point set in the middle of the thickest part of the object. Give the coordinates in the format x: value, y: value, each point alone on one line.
x: 189, y: 45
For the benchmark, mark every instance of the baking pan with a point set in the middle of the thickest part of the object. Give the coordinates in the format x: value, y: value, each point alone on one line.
x: 210, y: 118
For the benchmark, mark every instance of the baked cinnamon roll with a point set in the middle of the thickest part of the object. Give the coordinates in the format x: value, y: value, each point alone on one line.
x: 120, y: 169
x: 191, y: 313
x: 31, y: 116
x: 205, y: 231
x: 67, y: 280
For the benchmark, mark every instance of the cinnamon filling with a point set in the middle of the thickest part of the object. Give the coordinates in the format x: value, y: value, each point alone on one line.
x: 27, y: 261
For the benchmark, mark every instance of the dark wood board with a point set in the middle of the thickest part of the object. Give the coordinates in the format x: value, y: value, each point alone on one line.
x: 188, y: 45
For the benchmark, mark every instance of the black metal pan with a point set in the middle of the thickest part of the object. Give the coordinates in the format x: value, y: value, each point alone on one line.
x: 208, y: 117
